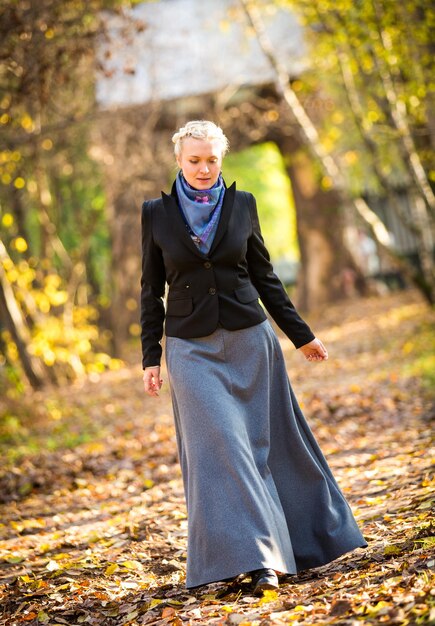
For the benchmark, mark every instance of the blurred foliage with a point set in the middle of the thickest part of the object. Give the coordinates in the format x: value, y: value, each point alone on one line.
x: 272, y: 191
x: 361, y: 49
x: 51, y: 192
x: 63, y: 327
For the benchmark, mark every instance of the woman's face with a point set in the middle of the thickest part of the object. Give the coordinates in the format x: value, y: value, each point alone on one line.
x: 200, y: 162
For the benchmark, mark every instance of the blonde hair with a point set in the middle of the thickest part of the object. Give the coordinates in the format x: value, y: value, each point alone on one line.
x: 200, y: 129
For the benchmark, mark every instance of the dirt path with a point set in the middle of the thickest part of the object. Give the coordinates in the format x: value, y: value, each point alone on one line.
x: 93, y: 523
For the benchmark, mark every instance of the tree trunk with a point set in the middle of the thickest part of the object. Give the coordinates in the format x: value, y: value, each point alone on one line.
x: 130, y: 135
x: 19, y: 212
x: 328, y: 271
x: 13, y: 321
x: 126, y: 253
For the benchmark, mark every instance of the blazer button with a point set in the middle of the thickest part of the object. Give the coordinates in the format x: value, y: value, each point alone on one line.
x: 207, y: 265
x: 212, y: 291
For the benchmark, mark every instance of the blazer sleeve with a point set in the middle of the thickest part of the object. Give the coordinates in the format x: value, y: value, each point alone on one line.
x: 153, y: 278
x: 271, y: 290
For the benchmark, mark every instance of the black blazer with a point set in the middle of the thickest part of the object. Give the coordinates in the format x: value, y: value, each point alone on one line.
x: 222, y: 286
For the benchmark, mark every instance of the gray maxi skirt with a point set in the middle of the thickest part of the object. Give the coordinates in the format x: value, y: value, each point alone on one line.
x: 258, y: 489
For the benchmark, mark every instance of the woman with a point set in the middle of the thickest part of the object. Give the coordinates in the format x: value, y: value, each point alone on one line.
x: 260, y: 496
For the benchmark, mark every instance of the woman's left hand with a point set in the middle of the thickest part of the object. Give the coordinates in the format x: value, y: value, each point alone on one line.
x: 314, y: 351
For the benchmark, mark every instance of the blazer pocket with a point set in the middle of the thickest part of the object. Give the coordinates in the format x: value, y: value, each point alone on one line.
x: 246, y: 294
x: 179, y: 306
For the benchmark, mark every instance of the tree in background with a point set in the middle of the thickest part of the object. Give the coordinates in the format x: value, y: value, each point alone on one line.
x: 54, y: 250
x: 372, y: 60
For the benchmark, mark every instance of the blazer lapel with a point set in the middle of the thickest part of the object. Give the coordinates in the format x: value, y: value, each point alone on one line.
x: 225, y: 216
x: 171, y: 205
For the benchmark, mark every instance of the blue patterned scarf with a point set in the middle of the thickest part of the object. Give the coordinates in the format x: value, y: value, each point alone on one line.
x: 201, y: 209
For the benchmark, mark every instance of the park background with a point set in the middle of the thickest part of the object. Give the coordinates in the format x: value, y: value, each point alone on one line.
x: 329, y: 109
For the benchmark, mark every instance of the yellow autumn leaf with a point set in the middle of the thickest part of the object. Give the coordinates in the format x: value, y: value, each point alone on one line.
x: 269, y: 595
x: 111, y: 569
x: 19, y: 182
x: 133, y: 565
x: 44, y: 547
x: 7, y: 220
x: 26, y: 579
x: 60, y: 556
x: 20, y: 244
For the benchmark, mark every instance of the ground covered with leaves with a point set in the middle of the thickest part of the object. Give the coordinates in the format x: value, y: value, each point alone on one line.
x: 93, y: 522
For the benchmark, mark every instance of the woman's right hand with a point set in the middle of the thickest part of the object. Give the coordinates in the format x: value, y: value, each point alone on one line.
x: 152, y: 381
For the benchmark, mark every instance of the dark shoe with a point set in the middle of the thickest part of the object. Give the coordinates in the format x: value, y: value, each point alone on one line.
x: 263, y: 579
